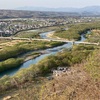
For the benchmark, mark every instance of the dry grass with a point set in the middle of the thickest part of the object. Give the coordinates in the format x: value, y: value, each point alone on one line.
x: 75, y: 84
x: 97, y: 32
x: 9, y: 43
x: 52, y: 35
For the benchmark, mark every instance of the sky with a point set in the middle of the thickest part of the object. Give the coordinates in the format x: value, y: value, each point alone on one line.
x: 12, y: 4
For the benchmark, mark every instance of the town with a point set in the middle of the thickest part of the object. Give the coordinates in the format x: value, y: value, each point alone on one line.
x: 9, y: 27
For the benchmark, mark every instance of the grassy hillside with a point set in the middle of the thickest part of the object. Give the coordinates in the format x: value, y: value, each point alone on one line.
x: 93, y: 65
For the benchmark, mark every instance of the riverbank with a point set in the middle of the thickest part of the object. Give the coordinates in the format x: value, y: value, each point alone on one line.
x: 20, y: 49
x: 40, y: 30
x: 65, y: 58
x: 75, y: 31
x: 10, y: 63
x: 52, y: 35
x: 24, y: 47
x: 32, y: 56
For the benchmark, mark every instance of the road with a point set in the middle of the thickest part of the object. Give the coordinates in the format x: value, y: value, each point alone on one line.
x: 57, y: 40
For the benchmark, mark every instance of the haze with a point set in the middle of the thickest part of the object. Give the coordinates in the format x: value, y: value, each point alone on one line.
x: 12, y: 4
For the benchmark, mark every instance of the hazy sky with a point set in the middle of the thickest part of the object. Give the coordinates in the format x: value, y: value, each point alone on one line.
x: 5, y: 4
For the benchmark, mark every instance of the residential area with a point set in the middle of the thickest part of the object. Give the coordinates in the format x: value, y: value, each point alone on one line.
x: 9, y: 27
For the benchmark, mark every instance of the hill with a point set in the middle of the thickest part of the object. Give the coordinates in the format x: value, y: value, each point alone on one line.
x: 91, y: 9
x: 29, y: 14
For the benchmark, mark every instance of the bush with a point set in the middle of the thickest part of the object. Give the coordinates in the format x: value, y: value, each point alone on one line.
x: 10, y: 63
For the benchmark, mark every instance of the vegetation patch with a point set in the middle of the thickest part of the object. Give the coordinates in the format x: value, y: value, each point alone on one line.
x: 94, y: 36
x: 74, y: 32
x: 28, y: 34
x: 10, y: 63
x: 23, y: 47
x: 93, y: 65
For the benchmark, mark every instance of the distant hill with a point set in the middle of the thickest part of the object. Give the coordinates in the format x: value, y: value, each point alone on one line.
x: 29, y: 12
x: 91, y: 9
x: 48, y: 9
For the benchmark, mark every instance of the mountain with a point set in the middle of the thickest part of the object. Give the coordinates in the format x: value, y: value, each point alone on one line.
x: 48, y: 9
x: 29, y: 12
x: 91, y: 9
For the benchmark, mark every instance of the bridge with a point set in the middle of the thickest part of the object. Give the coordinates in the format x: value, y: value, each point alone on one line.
x: 56, y: 40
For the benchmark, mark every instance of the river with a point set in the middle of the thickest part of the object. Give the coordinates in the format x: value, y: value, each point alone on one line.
x: 50, y: 51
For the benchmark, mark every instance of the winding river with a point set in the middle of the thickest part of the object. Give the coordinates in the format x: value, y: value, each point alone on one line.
x: 50, y: 51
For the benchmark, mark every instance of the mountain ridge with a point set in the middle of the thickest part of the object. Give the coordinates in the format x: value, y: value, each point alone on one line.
x: 92, y: 9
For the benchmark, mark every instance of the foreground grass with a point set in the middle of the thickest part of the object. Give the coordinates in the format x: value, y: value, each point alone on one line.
x: 93, y: 65
x: 73, y: 85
